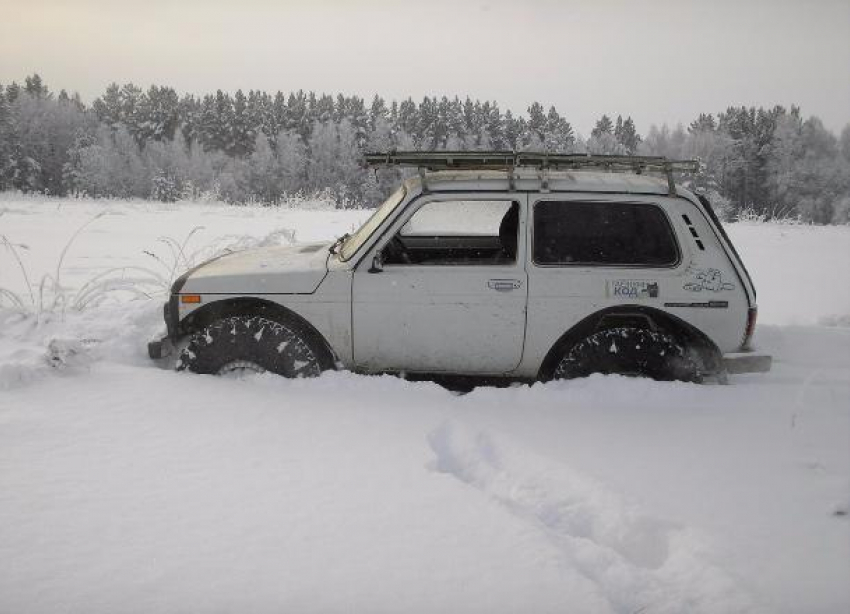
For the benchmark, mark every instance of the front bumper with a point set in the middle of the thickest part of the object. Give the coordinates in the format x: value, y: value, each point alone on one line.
x: 160, y: 348
x: 747, y: 362
x: 164, y: 347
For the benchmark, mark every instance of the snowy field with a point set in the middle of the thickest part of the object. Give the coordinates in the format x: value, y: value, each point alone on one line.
x: 126, y: 488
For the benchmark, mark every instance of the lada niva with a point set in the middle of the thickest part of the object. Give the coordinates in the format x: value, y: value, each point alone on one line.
x: 507, y: 265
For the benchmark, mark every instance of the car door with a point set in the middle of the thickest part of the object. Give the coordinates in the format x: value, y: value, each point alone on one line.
x: 450, y: 296
x: 590, y: 252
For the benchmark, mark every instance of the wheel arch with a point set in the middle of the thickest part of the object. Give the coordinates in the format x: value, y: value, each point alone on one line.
x: 253, y: 306
x: 638, y: 316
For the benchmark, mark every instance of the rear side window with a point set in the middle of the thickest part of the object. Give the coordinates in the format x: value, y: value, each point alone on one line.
x: 600, y: 233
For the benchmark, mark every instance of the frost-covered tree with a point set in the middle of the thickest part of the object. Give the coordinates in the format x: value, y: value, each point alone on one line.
x: 381, y: 135
x: 264, y: 179
x: 558, y: 134
x: 426, y: 129
x: 408, y: 118
x: 111, y: 166
x: 703, y: 123
x: 292, y: 162
x: 604, y: 143
x: 297, y: 118
x: 603, y: 126
x: 627, y: 135
x: 334, y: 159
x: 34, y: 86
x: 156, y: 115
x: 109, y: 107
x: 6, y: 159
x: 278, y: 114
x: 41, y: 132
x: 241, y: 134
x: 844, y: 143
x: 256, y: 146
x: 377, y: 111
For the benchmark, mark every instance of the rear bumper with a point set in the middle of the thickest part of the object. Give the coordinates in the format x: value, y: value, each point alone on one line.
x: 747, y: 362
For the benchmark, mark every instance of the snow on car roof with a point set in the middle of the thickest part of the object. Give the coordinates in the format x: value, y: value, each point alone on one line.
x: 529, y: 179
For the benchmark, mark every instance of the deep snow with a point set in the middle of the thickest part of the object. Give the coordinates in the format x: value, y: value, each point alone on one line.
x: 125, y: 488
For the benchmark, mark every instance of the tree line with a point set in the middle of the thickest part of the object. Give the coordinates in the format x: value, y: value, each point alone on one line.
x: 261, y: 147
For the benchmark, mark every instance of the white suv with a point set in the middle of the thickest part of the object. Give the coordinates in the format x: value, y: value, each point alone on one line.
x: 493, y: 265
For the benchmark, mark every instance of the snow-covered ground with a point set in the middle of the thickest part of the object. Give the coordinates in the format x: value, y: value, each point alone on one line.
x: 126, y: 488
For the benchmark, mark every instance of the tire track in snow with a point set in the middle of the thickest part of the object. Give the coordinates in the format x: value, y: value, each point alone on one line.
x: 639, y: 563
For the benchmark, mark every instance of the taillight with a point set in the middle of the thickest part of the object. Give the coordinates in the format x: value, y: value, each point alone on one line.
x: 752, y: 314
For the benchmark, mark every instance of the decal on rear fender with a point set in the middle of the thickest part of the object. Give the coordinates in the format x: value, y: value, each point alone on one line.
x: 709, y: 280
x: 632, y: 288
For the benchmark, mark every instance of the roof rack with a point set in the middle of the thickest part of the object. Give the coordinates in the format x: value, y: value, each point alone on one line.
x: 510, y: 160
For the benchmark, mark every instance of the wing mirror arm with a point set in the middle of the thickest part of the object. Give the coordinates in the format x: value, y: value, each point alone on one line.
x: 377, y: 262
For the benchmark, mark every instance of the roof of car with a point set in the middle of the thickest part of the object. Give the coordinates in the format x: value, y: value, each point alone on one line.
x: 530, y: 180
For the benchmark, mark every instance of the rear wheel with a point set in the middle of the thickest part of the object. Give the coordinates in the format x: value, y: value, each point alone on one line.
x: 240, y: 345
x: 629, y: 351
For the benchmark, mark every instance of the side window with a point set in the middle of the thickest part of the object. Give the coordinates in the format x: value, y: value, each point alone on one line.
x: 457, y: 232
x: 600, y: 233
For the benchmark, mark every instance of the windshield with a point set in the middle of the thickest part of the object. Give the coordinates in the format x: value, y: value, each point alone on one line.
x: 353, y: 243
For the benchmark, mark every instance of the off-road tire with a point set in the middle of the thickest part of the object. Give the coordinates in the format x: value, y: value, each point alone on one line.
x: 629, y: 351
x: 254, y: 341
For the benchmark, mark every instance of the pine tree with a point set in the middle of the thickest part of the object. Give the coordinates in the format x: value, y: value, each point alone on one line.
x: 703, y: 123
x: 189, y: 112
x: 495, y: 128
x: 242, y: 133
x: 377, y: 111
x: 408, y: 118
x: 130, y: 98
x: 279, y: 114
x: 510, y: 130
x: 603, y: 126
x: 5, y: 141
x: 222, y: 124
x: 469, y: 119
x: 109, y: 107
x: 257, y: 114
x: 297, y: 114
x: 35, y: 87
x: 13, y: 90
x: 358, y: 115
x: 158, y: 114
x: 558, y: 134
x: 325, y: 110
x: 627, y: 135
x: 427, y: 131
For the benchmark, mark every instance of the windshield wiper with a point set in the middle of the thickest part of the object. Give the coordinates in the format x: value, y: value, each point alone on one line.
x: 334, y: 249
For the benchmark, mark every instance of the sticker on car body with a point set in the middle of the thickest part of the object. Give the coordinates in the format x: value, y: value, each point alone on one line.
x: 632, y: 288
x: 708, y: 280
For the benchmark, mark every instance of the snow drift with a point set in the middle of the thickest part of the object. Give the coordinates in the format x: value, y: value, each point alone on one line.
x: 126, y: 488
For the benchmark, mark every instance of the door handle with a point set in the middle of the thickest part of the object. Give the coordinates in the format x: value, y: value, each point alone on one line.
x: 504, y: 285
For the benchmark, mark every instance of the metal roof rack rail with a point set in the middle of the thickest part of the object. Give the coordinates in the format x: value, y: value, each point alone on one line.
x: 511, y: 160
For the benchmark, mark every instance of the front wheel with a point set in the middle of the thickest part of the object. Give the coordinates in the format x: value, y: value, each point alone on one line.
x: 629, y: 351
x: 253, y: 344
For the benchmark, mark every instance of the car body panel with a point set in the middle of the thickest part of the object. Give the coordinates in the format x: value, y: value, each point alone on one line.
x: 440, y: 319
x: 296, y: 269
x: 448, y: 319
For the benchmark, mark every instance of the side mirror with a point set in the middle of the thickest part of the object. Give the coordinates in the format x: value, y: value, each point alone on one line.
x: 377, y: 262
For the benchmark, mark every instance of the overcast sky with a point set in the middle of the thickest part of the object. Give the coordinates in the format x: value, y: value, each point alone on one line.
x: 658, y: 61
